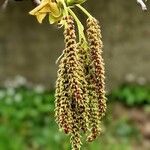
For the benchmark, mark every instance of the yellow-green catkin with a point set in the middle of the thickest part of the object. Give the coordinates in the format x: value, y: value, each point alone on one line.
x: 96, y: 45
x: 75, y: 92
x: 97, y: 76
x: 80, y: 87
x: 94, y: 120
x: 62, y: 104
x: 90, y: 95
x: 70, y: 77
x: 84, y: 117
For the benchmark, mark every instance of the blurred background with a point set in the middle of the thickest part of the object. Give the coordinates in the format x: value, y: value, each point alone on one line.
x: 28, y: 52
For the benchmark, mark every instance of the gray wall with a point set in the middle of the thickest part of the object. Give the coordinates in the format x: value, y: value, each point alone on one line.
x: 30, y: 49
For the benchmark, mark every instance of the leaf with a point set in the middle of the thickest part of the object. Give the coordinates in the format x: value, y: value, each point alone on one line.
x: 73, y: 2
x: 47, y: 7
x: 40, y: 17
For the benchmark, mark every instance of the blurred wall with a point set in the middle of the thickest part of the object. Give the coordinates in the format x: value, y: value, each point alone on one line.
x: 30, y: 49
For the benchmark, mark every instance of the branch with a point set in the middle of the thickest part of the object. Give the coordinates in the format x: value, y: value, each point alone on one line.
x: 4, y: 4
x: 36, y: 2
x: 142, y: 4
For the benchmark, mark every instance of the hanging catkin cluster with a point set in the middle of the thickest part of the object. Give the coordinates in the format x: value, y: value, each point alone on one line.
x: 80, y: 101
x: 80, y: 88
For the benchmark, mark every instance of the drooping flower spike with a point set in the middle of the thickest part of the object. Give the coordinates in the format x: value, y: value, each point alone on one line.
x: 80, y: 101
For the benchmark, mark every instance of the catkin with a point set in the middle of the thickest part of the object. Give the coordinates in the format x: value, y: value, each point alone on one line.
x: 62, y: 105
x: 80, y: 88
x: 74, y: 81
x: 94, y: 120
x: 73, y: 90
x: 95, y: 45
x: 95, y: 77
x: 80, y: 101
x: 84, y: 117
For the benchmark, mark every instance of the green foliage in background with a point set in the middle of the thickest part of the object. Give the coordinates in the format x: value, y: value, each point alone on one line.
x: 132, y: 95
x: 27, y: 123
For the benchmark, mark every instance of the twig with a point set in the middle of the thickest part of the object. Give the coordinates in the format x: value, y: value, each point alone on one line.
x: 4, y: 5
x: 36, y: 2
x: 142, y: 4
